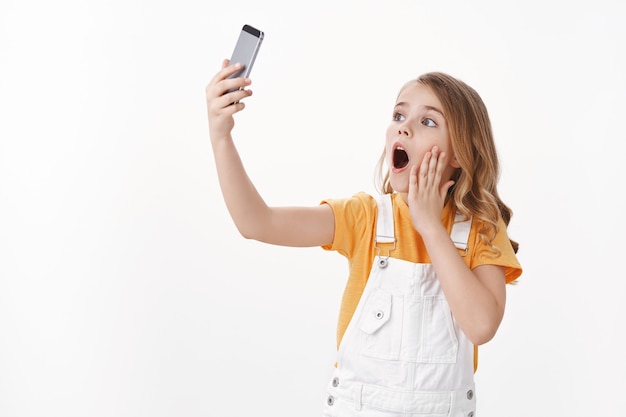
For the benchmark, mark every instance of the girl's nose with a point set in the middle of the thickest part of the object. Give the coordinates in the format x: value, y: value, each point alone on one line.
x: 403, y: 131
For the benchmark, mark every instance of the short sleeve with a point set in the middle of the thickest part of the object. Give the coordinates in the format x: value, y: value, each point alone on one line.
x: 353, y: 218
x: 485, y: 255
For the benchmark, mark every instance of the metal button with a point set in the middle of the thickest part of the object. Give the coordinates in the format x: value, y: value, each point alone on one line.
x: 470, y: 414
x: 331, y: 400
x: 380, y: 314
x: 382, y: 262
x: 470, y: 394
x: 335, y: 382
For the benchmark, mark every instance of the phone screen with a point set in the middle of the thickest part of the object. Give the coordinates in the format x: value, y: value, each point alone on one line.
x: 246, y: 50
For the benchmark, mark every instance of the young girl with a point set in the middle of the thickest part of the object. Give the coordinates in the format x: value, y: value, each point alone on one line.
x: 429, y: 258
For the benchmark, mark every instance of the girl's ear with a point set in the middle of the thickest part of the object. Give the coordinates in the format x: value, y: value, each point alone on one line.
x: 454, y: 163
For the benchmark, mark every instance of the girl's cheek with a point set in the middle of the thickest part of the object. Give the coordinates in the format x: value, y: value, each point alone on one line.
x: 418, y: 158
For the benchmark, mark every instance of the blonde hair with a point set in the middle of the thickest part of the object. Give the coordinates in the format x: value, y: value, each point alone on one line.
x: 474, y: 192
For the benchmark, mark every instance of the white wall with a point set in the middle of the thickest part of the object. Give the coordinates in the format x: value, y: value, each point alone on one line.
x: 125, y: 289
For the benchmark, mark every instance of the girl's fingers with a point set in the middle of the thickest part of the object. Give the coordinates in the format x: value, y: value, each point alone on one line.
x: 227, y: 70
x: 413, y: 182
x: 433, y: 163
x: 424, y: 167
x: 442, y: 162
x: 236, y: 95
x: 223, y: 74
x: 446, y: 187
x: 231, y: 101
x: 227, y: 91
x: 413, y: 177
x: 433, y: 166
x: 230, y: 85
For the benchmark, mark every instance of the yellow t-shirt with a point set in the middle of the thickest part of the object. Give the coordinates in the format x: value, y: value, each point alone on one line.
x: 355, y: 233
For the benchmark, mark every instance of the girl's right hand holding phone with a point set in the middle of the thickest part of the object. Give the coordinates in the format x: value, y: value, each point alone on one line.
x: 221, y: 104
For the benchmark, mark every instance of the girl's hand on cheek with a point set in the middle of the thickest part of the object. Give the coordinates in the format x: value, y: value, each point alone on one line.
x: 427, y: 194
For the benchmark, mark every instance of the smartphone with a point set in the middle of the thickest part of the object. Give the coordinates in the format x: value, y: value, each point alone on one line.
x: 246, y: 50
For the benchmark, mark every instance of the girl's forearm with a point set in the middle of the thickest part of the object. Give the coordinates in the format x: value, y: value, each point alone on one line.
x: 476, y: 298
x: 244, y: 203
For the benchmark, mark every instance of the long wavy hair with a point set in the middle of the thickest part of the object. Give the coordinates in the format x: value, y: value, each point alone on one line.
x: 474, y: 192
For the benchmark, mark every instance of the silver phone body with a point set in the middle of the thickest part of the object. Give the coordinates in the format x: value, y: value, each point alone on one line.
x: 246, y: 50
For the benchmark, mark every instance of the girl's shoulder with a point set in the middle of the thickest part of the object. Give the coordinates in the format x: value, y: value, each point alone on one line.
x: 360, y: 202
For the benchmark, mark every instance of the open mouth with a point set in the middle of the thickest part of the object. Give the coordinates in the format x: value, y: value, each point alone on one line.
x: 400, y: 158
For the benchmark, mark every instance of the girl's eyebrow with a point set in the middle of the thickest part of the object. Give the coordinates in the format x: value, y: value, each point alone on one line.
x: 435, y: 109
x: 427, y: 107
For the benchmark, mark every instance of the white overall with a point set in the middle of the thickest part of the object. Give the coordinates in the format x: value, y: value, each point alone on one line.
x: 403, y: 355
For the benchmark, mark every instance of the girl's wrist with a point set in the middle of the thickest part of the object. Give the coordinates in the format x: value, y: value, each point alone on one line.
x: 220, y: 137
x: 433, y: 231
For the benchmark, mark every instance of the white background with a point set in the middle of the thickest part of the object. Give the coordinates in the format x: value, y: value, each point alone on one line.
x: 125, y: 289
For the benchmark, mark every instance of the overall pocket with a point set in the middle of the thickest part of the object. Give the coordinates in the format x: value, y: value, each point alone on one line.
x: 430, y: 332
x: 408, y: 328
x: 381, y: 320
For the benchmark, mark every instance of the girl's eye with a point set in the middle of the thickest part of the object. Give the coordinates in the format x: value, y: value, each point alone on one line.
x: 397, y: 117
x: 429, y: 123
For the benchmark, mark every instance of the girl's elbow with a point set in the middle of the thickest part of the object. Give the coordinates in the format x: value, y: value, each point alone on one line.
x: 253, y: 232
x: 482, y: 334
x: 483, y: 327
x: 481, y: 339
x: 247, y: 232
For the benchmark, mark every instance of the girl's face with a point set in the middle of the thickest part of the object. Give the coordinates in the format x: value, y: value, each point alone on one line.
x: 416, y: 126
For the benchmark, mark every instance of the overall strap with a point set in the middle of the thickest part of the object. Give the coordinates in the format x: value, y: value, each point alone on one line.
x: 384, y: 221
x: 461, y: 231
x: 385, y: 231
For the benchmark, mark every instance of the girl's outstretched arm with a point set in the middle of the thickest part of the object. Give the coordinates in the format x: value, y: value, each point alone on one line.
x: 287, y: 226
x: 476, y: 297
